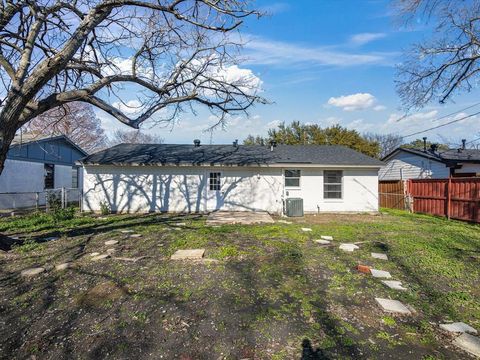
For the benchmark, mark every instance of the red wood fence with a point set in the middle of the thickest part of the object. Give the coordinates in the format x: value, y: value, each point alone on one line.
x: 456, y: 198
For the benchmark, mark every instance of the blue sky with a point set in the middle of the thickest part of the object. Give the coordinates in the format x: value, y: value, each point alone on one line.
x: 325, y: 62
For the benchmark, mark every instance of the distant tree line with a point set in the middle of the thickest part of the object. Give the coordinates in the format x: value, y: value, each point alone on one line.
x: 371, y: 144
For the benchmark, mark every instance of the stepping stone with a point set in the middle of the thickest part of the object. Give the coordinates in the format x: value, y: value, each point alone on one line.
x: 322, y: 241
x: 100, y: 257
x: 190, y: 254
x: 326, y: 237
x: 126, y: 231
x: 94, y: 254
x: 380, y: 256
x: 469, y: 343
x: 284, y: 222
x: 102, y: 218
x: 380, y: 274
x: 32, y: 272
x: 110, y: 251
x: 348, y: 247
x: 136, y: 235
x: 393, y: 306
x: 181, y: 224
x: 51, y: 238
x: 393, y: 284
x: 63, y: 266
x: 306, y: 229
x: 458, y: 327
x: 111, y: 242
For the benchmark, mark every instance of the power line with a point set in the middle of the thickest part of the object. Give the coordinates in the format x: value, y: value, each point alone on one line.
x: 442, y: 125
x: 444, y: 116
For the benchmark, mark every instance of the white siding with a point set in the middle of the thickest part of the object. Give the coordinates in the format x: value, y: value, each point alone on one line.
x: 468, y: 168
x: 185, y: 189
x: 403, y: 166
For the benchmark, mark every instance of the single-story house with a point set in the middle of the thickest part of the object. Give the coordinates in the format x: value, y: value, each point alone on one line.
x: 37, y: 164
x: 204, y: 178
x: 406, y: 163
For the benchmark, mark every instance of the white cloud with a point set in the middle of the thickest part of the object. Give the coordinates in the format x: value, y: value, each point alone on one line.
x: 379, y: 108
x: 128, y: 107
x: 395, y: 118
x: 273, y: 124
x: 359, y: 101
x: 365, y: 38
x: 283, y: 54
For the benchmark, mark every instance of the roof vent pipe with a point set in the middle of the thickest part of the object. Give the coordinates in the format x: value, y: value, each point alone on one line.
x: 273, y: 144
x: 424, y: 144
x: 196, y: 143
x: 464, y: 143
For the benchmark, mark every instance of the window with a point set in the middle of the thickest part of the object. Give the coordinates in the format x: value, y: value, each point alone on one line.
x: 214, y: 181
x: 49, y: 176
x: 292, y: 178
x: 332, y: 184
x: 74, y: 177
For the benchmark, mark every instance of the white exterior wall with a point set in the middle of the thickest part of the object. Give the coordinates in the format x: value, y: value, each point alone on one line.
x: 185, y: 189
x: 468, y: 168
x: 404, y: 166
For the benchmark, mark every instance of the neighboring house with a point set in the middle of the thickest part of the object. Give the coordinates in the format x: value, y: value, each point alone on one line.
x: 203, y: 178
x: 404, y: 164
x: 36, y: 164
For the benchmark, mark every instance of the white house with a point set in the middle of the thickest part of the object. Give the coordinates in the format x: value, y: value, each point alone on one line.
x: 405, y: 163
x: 35, y: 165
x: 204, y: 178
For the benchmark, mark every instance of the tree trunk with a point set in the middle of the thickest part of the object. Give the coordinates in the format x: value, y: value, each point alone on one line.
x: 6, y: 138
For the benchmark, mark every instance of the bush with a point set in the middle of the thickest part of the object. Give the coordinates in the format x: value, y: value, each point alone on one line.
x: 60, y: 214
x: 104, y: 208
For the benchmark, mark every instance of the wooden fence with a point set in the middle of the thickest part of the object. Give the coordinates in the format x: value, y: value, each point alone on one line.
x: 456, y: 198
x: 392, y: 194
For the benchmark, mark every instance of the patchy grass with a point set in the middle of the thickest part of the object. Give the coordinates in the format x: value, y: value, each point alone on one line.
x: 271, y: 294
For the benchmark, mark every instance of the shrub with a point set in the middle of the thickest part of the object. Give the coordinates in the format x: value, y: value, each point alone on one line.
x: 60, y: 214
x: 104, y: 208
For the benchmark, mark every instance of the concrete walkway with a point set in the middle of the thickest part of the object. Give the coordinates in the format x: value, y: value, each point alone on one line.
x: 244, y: 218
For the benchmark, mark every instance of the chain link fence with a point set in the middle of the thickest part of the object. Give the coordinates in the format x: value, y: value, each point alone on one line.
x: 15, y: 202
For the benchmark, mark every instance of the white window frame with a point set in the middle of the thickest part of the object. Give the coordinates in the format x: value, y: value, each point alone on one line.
x: 342, y: 189
x: 220, y: 177
x: 299, y: 179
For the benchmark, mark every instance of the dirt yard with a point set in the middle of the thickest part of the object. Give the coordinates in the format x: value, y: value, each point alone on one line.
x: 264, y: 291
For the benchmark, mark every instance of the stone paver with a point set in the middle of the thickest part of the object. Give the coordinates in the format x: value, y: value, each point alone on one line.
x: 322, y: 241
x: 240, y: 217
x: 63, y: 266
x: 111, y: 242
x: 100, y: 257
x: 348, y: 247
x: 306, y: 229
x: 469, y: 343
x: 189, y: 254
x: 394, y: 284
x: 180, y: 224
x: 32, y: 271
x: 284, y: 222
x: 326, y: 237
x: 136, y: 235
x: 393, y: 306
x: 51, y: 238
x: 126, y: 231
x: 94, y: 254
x: 110, y: 251
x: 459, y: 327
x: 380, y: 256
x: 380, y: 274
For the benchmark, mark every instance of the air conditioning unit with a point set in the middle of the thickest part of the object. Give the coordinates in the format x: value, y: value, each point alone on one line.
x: 294, y: 207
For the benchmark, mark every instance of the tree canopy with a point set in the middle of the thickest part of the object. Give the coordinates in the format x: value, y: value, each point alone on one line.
x: 312, y: 134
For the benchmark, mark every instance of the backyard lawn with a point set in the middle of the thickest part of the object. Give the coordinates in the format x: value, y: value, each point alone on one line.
x: 263, y: 292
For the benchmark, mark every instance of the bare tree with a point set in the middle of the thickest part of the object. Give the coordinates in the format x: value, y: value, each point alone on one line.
x: 387, y: 142
x: 133, y: 137
x: 173, y: 54
x: 76, y: 120
x: 446, y: 64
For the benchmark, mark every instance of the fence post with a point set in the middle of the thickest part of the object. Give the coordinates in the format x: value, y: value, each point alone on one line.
x: 449, y: 183
x: 37, y: 201
x: 80, y: 199
x: 63, y: 197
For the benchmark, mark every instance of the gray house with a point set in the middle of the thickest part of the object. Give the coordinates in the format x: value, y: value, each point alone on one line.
x: 406, y: 163
x: 37, y: 164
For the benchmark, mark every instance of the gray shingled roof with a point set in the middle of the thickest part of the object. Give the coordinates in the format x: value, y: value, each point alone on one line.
x: 241, y: 155
x: 446, y: 156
